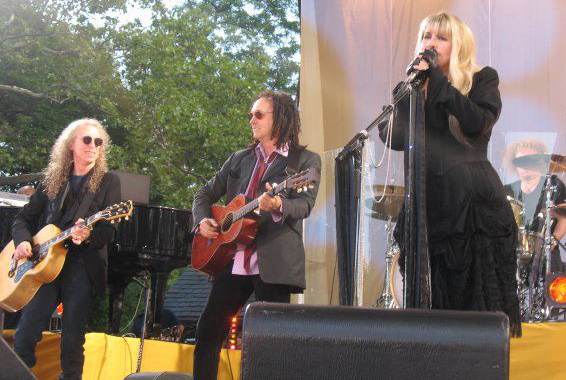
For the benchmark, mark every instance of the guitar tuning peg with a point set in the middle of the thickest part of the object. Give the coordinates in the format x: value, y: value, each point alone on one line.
x: 305, y: 188
x: 300, y: 190
x: 311, y: 186
x: 127, y: 218
x: 112, y: 221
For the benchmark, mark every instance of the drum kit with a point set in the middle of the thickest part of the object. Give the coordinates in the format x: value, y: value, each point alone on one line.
x: 535, y: 240
x: 533, y: 251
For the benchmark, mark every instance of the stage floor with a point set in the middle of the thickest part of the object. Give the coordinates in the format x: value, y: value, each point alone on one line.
x: 539, y: 355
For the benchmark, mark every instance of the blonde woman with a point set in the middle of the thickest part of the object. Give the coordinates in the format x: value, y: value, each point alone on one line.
x: 471, y: 230
x: 76, y: 185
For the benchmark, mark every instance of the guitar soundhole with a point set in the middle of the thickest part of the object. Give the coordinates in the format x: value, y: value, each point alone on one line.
x: 227, y: 222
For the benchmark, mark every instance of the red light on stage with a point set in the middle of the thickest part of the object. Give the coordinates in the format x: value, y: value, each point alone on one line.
x: 232, y: 341
x: 60, y: 309
x: 557, y: 290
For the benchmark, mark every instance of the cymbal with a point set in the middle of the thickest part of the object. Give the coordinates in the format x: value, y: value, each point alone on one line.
x: 378, y: 190
x: 389, y: 207
x: 553, y: 163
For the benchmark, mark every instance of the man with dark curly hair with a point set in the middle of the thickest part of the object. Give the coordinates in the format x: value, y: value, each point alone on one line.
x: 273, y: 266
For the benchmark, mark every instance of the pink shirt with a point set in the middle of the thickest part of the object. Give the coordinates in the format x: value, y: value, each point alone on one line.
x: 238, y: 267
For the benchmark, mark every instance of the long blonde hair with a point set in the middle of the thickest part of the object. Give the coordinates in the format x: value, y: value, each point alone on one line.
x: 58, y: 169
x: 463, y: 63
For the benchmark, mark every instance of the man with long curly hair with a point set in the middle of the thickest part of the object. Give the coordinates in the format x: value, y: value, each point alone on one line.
x: 273, y: 266
x: 76, y: 181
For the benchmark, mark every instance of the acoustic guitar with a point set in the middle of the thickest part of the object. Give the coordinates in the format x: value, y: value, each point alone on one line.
x: 238, y: 225
x: 21, y: 279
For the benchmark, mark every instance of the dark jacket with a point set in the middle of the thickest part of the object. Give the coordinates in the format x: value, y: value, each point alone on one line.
x: 41, y: 211
x: 476, y: 113
x: 281, y: 254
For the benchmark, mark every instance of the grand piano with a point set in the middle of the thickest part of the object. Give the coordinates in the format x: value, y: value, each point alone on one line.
x: 153, y: 242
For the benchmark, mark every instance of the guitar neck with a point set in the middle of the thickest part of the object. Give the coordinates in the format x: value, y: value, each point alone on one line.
x: 68, y: 232
x: 251, y: 206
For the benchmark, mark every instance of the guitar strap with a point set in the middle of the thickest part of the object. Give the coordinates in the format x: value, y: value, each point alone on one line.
x: 62, y: 201
x: 83, y: 207
x: 85, y: 203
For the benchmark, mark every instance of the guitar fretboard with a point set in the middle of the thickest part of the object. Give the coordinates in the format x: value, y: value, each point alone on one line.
x: 249, y: 207
x: 66, y: 234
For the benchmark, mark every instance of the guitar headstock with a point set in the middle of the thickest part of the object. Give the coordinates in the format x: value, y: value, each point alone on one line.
x: 304, y: 180
x: 117, y: 211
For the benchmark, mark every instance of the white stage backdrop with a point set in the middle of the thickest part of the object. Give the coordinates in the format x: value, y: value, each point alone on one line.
x: 354, y: 52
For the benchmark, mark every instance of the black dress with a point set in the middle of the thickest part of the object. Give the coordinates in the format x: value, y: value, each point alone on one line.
x: 472, y: 234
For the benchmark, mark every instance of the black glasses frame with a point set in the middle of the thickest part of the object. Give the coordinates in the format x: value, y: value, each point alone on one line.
x: 97, y: 141
x: 258, y: 114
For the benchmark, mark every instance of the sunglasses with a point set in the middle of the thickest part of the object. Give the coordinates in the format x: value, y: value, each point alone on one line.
x: 97, y: 141
x: 258, y: 114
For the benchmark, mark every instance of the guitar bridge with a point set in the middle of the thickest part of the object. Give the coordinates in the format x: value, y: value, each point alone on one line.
x: 13, y: 267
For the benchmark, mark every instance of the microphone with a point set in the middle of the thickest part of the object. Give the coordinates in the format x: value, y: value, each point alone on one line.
x: 429, y: 55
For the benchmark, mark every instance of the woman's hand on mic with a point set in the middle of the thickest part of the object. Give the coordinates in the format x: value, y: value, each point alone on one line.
x: 426, y: 60
x: 422, y: 66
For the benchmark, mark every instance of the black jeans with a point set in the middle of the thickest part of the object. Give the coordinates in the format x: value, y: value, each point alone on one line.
x: 73, y: 288
x: 229, y: 293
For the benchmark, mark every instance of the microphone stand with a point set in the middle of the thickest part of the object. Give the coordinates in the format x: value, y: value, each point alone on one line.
x: 417, y: 267
x: 417, y: 289
x: 146, y: 285
x: 413, y: 81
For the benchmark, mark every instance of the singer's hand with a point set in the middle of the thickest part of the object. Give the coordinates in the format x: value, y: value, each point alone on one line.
x: 422, y: 66
x: 424, y: 61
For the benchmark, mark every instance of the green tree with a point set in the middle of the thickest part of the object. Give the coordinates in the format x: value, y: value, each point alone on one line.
x: 51, y: 72
x: 192, y: 101
x: 174, y: 95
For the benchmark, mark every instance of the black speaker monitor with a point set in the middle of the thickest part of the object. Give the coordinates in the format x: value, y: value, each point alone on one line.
x: 11, y: 366
x: 282, y: 341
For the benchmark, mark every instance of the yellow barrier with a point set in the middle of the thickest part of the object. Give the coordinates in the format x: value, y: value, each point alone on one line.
x: 539, y: 355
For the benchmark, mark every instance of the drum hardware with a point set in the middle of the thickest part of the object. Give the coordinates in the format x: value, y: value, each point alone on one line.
x: 550, y: 190
x: 518, y: 210
x: 386, y: 300
x: 535, y: 247
x: 535, y: 272
x: 387, y: 202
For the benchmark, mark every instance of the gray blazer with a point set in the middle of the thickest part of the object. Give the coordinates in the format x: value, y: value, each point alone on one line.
x: 281, y: 254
